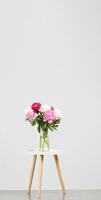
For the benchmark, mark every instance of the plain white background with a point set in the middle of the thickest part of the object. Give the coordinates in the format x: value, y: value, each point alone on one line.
x: 50, y: 51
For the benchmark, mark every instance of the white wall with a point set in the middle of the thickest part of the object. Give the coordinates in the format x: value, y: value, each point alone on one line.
x: 50, y: 52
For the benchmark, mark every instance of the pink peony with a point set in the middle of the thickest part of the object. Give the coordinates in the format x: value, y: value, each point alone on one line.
x: 30, y: 115
x: 49, y: 116
x: 36, y: 106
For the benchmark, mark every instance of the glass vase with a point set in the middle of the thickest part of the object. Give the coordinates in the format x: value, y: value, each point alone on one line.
x: 44, y: 141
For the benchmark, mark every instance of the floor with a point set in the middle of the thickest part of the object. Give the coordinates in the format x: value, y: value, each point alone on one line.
x: 52, y: 195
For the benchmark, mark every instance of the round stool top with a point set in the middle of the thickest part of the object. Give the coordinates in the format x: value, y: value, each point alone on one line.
x: 50, y: 152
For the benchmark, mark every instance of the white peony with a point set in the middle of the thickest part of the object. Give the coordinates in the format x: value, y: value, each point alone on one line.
x: 45, y: 107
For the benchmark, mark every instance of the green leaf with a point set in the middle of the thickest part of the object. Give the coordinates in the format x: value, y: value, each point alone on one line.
x: 39, y: 118
x: 33, y: 123
x: 39, y: 128
x: 51, y: 128
x: 55, y: 128
x: 45, y: 126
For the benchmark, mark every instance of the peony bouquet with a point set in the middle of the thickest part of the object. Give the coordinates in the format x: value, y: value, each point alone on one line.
x: 46, y: 118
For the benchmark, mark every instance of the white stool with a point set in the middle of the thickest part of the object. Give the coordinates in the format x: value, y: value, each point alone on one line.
x: 40, y: 156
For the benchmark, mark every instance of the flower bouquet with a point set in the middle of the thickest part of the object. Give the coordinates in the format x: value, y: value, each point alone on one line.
x: 46, y: 118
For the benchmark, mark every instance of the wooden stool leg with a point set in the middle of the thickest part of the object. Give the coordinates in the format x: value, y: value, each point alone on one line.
x: 59, y: 172
x: 32, y: 173
x: 41, y: 157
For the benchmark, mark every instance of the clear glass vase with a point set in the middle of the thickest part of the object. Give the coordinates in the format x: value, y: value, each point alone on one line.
x: 44, y: 141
